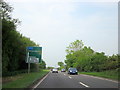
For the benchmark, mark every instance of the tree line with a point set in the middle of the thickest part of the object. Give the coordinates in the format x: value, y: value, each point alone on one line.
x: 14, y: 44
x: 87, y: 60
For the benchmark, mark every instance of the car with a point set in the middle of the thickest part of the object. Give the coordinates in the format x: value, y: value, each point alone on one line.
x: 54, y: 70
x: 72, y: 71
x: 63, y: 70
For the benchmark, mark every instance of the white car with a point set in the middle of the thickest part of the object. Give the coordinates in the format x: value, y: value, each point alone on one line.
x: 55, y: 70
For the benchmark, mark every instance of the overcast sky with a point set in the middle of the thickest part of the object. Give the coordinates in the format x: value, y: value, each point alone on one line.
x: 55, y: 24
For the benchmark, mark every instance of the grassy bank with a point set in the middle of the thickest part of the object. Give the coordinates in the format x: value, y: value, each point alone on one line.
x: 24, y: 80
x: 111, y: 74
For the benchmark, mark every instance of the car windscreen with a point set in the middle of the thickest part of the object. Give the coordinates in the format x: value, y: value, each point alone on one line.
x: 54, y: 69
x: 73, y: 69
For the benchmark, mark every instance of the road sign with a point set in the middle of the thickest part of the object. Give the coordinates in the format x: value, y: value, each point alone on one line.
x: 34, y: 48
x: 33, y: 59
x: 35, y: 52
x: 34, y: 55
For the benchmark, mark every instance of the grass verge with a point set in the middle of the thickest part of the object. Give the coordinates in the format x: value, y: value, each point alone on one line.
x: 25, y: 80
x: 112, y: 74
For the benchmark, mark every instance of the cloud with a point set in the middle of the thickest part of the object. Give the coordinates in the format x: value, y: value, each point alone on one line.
x: 54, y: 25
x: 47, y: 1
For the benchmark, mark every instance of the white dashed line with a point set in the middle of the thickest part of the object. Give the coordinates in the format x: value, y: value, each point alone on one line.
x: 64, y: 74
x: 70, y: 77
x: 83, y: 84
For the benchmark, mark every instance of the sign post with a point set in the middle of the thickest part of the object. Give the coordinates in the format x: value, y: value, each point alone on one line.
x: 28, y: 63
x: 28, y: 67
x: 34, y: 55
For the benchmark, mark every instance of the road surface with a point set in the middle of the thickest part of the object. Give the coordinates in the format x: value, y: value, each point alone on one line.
x: 63, y: 80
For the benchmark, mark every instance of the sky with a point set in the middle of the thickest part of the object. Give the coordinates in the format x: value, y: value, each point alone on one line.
x: 55, y: 24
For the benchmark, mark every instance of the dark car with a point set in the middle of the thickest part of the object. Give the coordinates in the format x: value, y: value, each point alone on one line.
x: 72, y: 71
x: 54, y: 70
x: 63, y: 70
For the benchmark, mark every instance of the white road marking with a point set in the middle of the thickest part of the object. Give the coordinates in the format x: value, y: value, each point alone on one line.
x: 83, y: 84
x: 64, y: 74
x: 40, y: 81
x: 70, y: 77
x: 100, y: 78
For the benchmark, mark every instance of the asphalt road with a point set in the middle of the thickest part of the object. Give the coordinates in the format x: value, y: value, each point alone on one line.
x: 63, y: 80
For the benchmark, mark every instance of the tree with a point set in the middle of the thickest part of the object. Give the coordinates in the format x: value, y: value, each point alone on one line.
x: 112, y: 62
x: 61, y: 64
x: 73, y: 52
x: 6, y: 10
x: 86, y: 59
x: 75, y: 46
x: 50, y: 67
x: 42, y: 65
x: 13, y: 43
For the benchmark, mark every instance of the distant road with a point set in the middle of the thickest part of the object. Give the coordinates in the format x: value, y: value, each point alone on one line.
x: 63, y: 80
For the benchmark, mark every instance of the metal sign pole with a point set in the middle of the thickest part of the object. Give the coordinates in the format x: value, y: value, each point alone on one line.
x: 28, y: 62
x: 29, y: 67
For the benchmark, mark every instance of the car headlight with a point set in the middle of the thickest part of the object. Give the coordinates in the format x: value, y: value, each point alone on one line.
x: 76, y: 71
x: 70, y: 71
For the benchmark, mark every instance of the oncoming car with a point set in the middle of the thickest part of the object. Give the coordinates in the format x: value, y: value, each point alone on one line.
x: 62, y: 70
x: 54, y: 70
x: 72, y: 71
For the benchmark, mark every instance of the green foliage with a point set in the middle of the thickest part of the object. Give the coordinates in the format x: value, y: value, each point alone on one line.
x: 85, y: 59
x: 13, y: 43
x: 13, y: 73
x: 6, y: 10
x: 112, y: 62
x: 50, y: 67
x: 75, y: 46
x: 42, y: 65
x: 61, y: 64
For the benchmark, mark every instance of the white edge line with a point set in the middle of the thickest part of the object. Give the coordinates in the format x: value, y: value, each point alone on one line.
x: 100, y: 78
x: 84, y: 84
x: 40, y: 81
